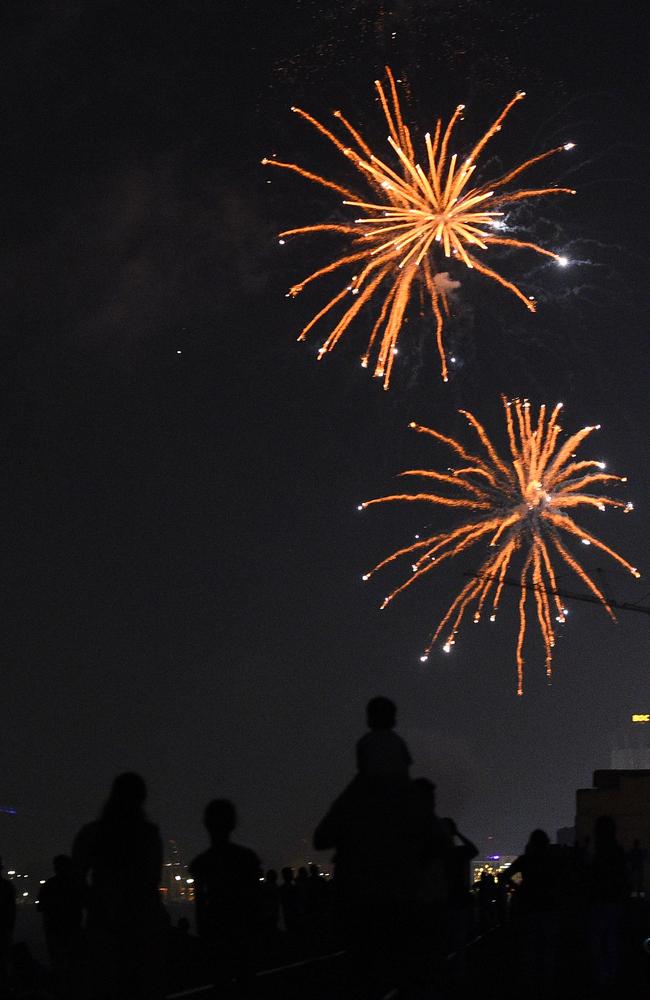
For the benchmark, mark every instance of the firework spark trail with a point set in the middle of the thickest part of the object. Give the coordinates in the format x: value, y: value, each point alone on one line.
x: 520, y: 505
x: 412, y: 213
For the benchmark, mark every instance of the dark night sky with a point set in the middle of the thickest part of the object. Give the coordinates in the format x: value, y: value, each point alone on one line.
x: 182, y: 551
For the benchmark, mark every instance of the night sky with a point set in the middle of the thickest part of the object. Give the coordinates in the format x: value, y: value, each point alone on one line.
x: 182, y: 550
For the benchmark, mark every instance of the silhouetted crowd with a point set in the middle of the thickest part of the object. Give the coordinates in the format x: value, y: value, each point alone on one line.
x: 400, y: 914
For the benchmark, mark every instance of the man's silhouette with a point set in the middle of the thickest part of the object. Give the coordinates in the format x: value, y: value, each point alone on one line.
x: 119, y: 861
x: 60, y: 902
x: 227, y: 883
x: 381, y: 753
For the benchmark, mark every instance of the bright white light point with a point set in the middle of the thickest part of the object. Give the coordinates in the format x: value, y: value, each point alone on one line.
x: 360, y: 507
x: 281, y: 242
x: 447, y: 647
x: 366, y: 576
x: 423, y: 659
x: 395, y: 351
x: 493, y: 618
x: 585, y: 541
x: 179, y: 352
x: 563, y: 261
x: 177, y: 878
x: 602, y: 465
x: 452, y: 360
x: 417, y: 536
x: 569, y: 145
x: 190, y: 881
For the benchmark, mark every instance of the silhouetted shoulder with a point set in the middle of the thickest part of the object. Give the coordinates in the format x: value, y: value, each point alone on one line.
x: 382, y: 752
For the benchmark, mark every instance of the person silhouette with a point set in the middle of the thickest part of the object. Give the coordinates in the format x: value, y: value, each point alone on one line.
x: 118, y: 858
x: 537, y: 908
x: 609, y: 888
x: 60, y: 902
x: 7, y: 923
x: 227, y: 884
x: 387, y: 842
x: 381, y: 753
x: 457, y: 863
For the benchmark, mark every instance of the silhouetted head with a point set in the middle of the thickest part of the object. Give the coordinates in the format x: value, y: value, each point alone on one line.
x: 62, y: 865
x: 538, y: 841
x: 302, y: 874
x: 220, y: 819
x: 271, y: 877
x: 127, y: 798
x: 314, y: 871
x: 287, y: 875
x: 381, y: 713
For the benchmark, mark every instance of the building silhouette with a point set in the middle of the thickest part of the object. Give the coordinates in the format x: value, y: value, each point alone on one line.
x: 623, y: 794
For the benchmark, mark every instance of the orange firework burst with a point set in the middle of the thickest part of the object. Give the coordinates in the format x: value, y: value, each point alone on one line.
x: 410, y: 211
x: 518, y: 503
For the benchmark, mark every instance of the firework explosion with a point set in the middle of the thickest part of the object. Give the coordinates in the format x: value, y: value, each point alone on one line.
x: 411, y: 211
x: 520, y: 503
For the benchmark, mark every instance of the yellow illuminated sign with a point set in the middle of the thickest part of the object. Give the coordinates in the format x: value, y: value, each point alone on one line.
x: 641, y: 718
